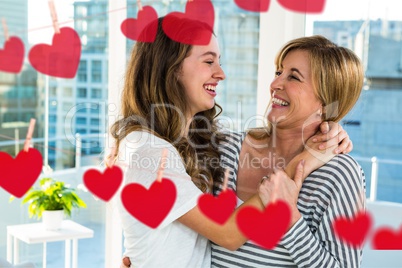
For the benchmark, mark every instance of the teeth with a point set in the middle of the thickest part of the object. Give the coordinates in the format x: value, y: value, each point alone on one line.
x: 280, y: 102
x: 210, y: 87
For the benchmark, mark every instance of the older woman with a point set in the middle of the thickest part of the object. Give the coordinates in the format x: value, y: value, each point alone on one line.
x: 315, y: 81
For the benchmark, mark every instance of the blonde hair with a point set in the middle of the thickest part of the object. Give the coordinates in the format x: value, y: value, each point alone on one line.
x: 337, y: 75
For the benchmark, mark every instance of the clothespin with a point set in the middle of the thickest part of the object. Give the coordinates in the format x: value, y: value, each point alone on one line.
x: 139, y: 5
x: 162, y: 165
x: 225, y: 181
x: 111, y: 159
x: 5, y: 29
x: 53, y: 14
x: 28, y: 139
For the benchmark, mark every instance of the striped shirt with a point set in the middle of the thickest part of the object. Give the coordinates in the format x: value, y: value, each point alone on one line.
x: 335, y: 190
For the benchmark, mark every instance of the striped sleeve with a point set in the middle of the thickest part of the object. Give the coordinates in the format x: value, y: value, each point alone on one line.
x: 333, y: 191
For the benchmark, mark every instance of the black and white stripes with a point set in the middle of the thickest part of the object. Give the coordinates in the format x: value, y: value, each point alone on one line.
x: 332, y: 191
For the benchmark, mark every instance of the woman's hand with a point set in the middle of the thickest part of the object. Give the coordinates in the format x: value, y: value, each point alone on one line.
x: 332, y: 134
x: 279, y: 186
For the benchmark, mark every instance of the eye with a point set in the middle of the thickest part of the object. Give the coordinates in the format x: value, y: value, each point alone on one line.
x: 209, y: 62
x: 278, y: 73
x: 294, y: 77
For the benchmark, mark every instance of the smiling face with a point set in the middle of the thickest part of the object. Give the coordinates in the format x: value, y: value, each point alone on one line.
x: 200, y: 74
x: 292, y: 91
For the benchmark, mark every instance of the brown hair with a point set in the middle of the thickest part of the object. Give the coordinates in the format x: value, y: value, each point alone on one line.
x: 153, y: 100
x: 337, y: 74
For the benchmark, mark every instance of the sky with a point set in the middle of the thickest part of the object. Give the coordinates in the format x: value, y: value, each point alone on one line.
x: 40, y: 24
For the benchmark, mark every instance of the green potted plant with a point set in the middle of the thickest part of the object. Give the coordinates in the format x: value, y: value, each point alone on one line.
x: 51, y: 201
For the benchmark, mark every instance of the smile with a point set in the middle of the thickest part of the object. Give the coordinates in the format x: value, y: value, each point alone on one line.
x: 279, y: 102
x: 210, y: 88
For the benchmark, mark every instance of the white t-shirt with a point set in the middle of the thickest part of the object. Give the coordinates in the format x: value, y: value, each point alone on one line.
x: 171, y: 244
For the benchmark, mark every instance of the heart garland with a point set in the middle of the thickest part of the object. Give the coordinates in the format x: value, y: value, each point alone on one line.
x: 353, y: 231
x: 253, y: 5
x: 194, y: 26
x: 12, y: 56
x: 133, y: 28
x: 103, y: 185
x: 149, y: 206
x: 266, y: 227
x: 59, y: 59
x: 19, y: 174
x: 303, y: 6
x: 387, y: 239
x: 218, y: 208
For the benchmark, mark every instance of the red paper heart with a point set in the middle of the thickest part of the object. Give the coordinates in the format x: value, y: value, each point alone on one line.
x: 103, y: 185
x: 353, y: 231
x: 149, y: 206
x: 19, y: 174
x: 218, y: 208
x: 60, y: 59
x: 253, y: 5
x: 194, y: 27
x: 303, y: 6
x: 133, y: 28
x: 387, y: 239
x: 12, y: 56
x: 266, y: 227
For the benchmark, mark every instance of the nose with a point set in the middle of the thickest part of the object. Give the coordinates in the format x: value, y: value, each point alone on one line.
x: 276, y: 84
x: 219, y: 73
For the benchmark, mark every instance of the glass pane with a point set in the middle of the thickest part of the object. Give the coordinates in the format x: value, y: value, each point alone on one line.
x: 23, y: 96
x: 74, y: 113
x: 373, y: 29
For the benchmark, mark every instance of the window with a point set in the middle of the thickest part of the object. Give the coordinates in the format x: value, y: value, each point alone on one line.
x: 243, y: 94
x: 67, y: 92
x: 81, y: 120
x: 81, y: 92
x: 95, y: 122
x: 96, y: 71
x: 82, y: 71
x: 373, y: 30
x: 96, y: 93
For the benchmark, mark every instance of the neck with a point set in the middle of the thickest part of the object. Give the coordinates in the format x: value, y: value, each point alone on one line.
x: 289, y: 142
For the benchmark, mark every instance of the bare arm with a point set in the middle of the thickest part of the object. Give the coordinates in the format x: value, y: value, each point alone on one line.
x: 330, y: 140
x: 227, y: 235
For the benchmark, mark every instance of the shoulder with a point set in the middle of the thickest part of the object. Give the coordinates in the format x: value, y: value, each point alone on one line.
x: 341, y: 172
x: 231, y: 143
x: 141, y: 144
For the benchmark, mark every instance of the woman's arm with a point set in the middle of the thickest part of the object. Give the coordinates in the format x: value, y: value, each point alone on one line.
x: 227, y: 235
x: 333, y: 191
x: 330, y: 140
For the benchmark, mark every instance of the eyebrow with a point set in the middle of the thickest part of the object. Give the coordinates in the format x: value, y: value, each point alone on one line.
x: 210, y: 53
x: 297, y: 71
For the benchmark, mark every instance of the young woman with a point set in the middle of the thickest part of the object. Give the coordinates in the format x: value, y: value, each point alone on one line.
x: 315, y: 80
x: 168, y: 102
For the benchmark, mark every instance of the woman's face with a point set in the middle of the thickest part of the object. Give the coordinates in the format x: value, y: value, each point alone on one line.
x: 200, y: 75
x: 294, y: 103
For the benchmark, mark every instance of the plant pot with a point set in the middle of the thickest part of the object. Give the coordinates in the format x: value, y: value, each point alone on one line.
x: 52, y: 219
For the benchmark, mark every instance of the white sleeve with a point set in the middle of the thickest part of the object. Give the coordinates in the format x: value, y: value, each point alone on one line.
x: 143, y: 163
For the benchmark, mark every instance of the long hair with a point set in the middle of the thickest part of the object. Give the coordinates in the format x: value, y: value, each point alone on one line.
x: 153, y: 100
x: 337, y: 75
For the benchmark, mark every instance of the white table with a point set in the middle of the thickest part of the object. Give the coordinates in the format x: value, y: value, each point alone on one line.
x: 35, y: 233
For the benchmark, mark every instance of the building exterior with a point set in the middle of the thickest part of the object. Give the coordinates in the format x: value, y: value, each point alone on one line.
x: 18, y: 92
